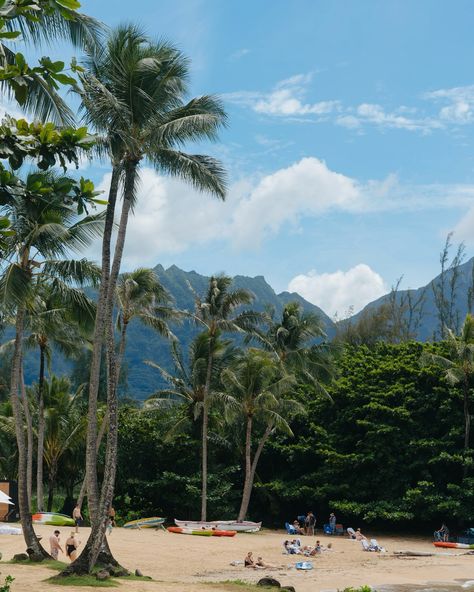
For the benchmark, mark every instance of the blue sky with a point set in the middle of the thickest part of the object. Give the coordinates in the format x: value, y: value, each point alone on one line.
x: 349, y: 149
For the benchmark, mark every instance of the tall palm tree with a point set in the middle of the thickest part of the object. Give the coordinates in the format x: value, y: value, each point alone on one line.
x: 459, y: 368
x: 51, y: 323
x: 258, y: 391
x: 292, y: 339
x: 186, y: 385
x: 65, y: 426
x: 141, y: 296
x: 217, y: 313
x: 46, y: 229
x: 134, y: 94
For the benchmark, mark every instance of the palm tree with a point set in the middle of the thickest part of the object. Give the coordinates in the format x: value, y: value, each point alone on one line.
x: 186, y: 385
x: 292, y: 339
x: 459, y: 368
x: 65, y: 426
x: 258, y: 390
x: 50, y: 323
x: 217, y: 314
x: 141, y: 296
x: 134, y: 94
x: 46, y: 229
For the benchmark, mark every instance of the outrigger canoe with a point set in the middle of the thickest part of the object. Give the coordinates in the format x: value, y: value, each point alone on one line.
x: 53, y: 519
x: 244, y: 526
x: 453, y: 545
x: 153, y: 522
x: 202, y: 531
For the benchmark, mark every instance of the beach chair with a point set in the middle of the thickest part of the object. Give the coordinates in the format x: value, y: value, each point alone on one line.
x: 290, y: 529
x: 339, y: 529
x: 327, y: 529
x: 366, y: 546
x: 351, y: 533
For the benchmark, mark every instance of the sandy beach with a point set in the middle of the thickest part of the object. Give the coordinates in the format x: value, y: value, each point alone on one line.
x: 179, y: 562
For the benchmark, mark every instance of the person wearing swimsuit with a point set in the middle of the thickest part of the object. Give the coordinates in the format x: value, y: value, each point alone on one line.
x: 71, y: 547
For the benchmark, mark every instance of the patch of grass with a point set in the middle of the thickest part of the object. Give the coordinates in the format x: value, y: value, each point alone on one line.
x: 49, y: 563
x: 81, y: 581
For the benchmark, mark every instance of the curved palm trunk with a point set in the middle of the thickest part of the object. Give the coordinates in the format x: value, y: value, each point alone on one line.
x: 86, y: 560
x: 29, y: 437
x: 251, y: 468
x: 41, y: 428
x: 97, y: 536
x: 91, y: 446
x: 31, y: 539
x: 205, y: 429
x: 100, y: 437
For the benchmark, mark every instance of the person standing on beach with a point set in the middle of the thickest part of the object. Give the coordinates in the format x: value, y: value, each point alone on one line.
x: 332, y: 523
x: 77, y: 516
x: 309, y: 524
x: 71, y: 547
x: 55, y: 545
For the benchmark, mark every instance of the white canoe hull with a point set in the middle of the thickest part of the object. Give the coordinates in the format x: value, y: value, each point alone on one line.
x: 221, y: 525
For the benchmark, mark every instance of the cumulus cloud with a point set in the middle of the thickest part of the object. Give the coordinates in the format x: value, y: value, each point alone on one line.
x: 286, y: 99
x: 338, y: 291
x: 171, y: 217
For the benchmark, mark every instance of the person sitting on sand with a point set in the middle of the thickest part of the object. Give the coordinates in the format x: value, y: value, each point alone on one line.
x: 71, y: 547
x: 262, y: 564
x: 249, y: 562
x: 359, y: 536
x: 297, y: 527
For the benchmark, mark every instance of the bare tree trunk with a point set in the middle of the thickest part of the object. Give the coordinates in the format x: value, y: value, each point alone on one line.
x: 249, y: 484
x: 100, y: 436
x: 51, y: 483
x: 91, y: 445
x: 29, y: 437
x: 85, y: 562
x: 97, y: 535
x: 205, y: 428
x: 41, y: 428
x: 31, y: 539
x: 248, y: 466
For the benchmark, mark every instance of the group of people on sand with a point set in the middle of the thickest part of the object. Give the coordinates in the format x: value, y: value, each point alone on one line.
x: 71, y: 545
x: 78, y: 519
x: 258, y: 564
x: 305, y: 525
x: 294, y: 547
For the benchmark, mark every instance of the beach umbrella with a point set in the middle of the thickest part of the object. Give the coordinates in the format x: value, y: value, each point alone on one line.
x: 4, y: 499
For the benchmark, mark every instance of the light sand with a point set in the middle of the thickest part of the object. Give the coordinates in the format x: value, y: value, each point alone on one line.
x: 186, y: 563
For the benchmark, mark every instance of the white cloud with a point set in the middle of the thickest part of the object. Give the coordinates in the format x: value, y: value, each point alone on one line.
x: 171, y: 217
x: 460, y: 107
x: 286, y: 99
x: 338, y: 291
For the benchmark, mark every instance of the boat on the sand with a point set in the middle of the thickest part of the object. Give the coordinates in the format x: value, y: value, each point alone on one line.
x: 447, y: 545
x: 244, y: 526
x: 202, y: 531
x: 152, y: 522
x: 53, y: 519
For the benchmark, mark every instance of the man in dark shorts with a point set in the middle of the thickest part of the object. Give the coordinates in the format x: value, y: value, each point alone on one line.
x: 77, y: 516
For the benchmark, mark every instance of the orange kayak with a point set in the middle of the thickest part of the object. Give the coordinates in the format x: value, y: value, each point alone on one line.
x: 453, y: 545
x: 202, y: 531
